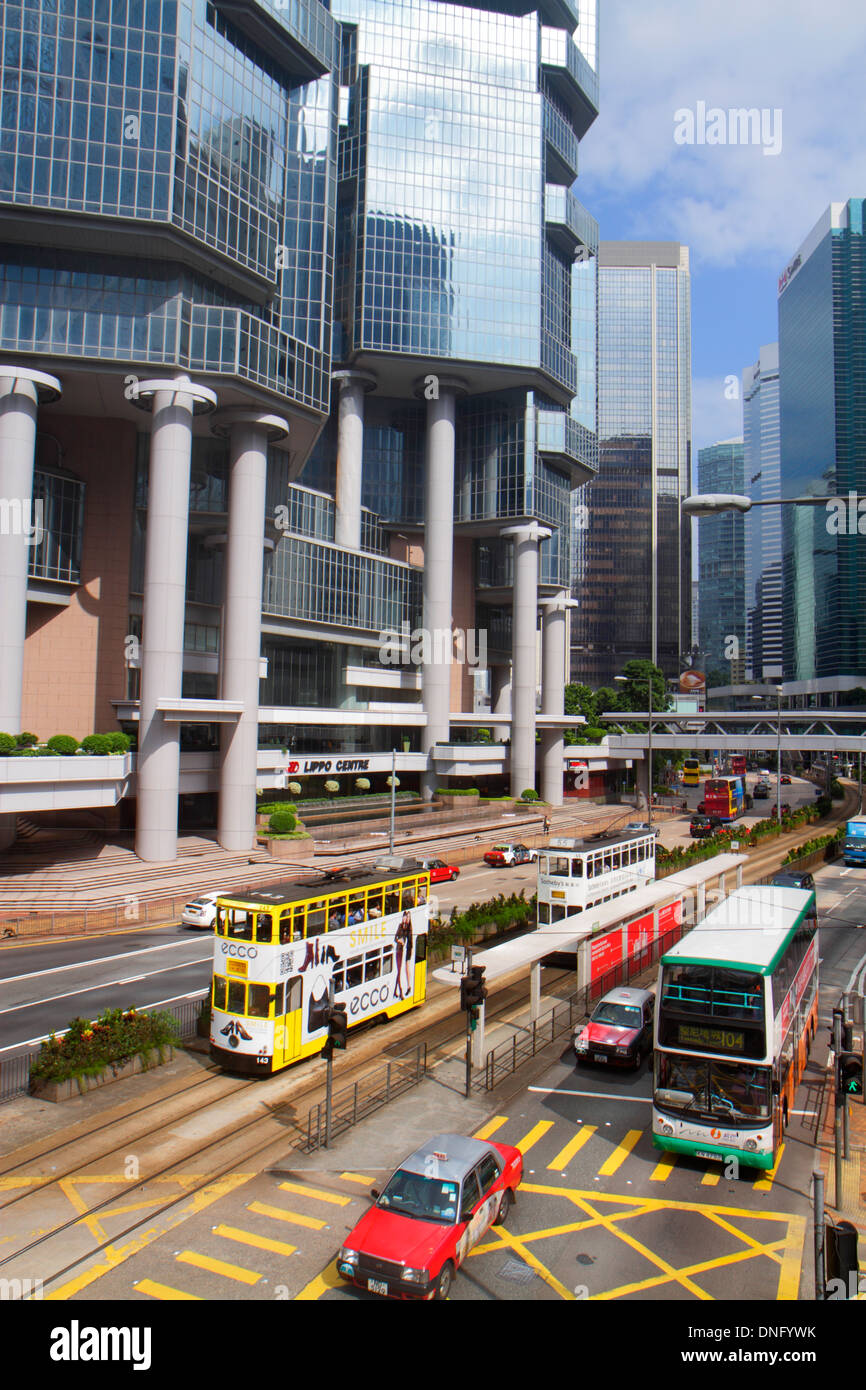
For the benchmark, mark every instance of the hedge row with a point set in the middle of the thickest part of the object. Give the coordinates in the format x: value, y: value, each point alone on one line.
x: 115, y: 1037
x: 27, y: 745
x: 501, y: 912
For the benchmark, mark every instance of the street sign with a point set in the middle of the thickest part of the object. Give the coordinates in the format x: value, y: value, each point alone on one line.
x: 458, y: 955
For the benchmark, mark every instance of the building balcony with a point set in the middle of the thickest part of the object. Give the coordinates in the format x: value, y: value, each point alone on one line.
x: 315, y: 582
x: 562, y: 145
x: 62, y: 784
x: 571, y: 76
x: 568, y: 443
x: 383, y: 677
x: 569, y: 225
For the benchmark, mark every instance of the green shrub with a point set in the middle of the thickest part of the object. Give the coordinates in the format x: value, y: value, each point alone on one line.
x: 27, y: 740
x: 529, y: 795
x: 114, y: 1038
x: 118, y: 742
x: 457, y: 791
x: 8, y: 745
x: 284, y: 821
x: 63, y: 744
x: 95, y: 743
x: 362, y: 784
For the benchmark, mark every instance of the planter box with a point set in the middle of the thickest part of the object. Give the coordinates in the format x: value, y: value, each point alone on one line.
x: 66, y: 1090
x: 456, y: 803
x: 288, y: 849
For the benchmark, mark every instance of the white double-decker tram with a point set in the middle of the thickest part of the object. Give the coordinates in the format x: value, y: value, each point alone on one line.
x: 575, y: 875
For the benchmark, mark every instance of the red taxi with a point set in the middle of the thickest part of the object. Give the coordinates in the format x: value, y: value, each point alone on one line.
x: 620, y: 1029
x: 428, y: 1216
x: 439, y: 871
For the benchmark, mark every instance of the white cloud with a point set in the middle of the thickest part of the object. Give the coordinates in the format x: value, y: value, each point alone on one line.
x: 716, y: 416
x: 728, y: 203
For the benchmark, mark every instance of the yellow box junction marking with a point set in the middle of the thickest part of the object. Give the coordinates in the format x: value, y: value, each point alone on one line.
x: 114, y: 1255
x: 278, y: 1214
x: 564, y: 1157
x: 276, y: 1247
x: 537, y: 1132
x: 620, y: 1154
x: 316, y: 1192
x: 164, y: 1291
x: 491, y: 1127
x: 607, y: 1212
x: 228, y: 1271
x: 663, y: 1168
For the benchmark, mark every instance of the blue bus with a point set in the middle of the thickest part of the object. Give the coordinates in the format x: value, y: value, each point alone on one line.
x: 855, y: 841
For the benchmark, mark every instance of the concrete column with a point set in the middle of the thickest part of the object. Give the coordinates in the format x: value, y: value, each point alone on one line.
x: 701, y: 910
x: 249, y: 433
x: 500, y: 700
x: 174, y: 402
x: 350, y: 455
x: 438, y: 569
x: 523, y: 653
x: 554, y: 668
x: 535, y: 990
x: 21, y: 392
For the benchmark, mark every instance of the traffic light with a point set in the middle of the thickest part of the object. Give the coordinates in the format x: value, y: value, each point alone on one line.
x: 847, y: 1037
x: 473, y: 993
x: 849, y: 1074
x: 338, y: 1028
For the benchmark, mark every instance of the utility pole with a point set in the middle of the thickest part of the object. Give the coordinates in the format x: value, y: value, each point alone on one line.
x: 818, y: 1233
x: 839, y: 1105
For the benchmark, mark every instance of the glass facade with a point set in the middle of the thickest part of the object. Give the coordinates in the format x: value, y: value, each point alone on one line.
x: 721, y: 542
x: 631, y: 564
x: 822, y: 367
x: 763, y: 525
x: 215, y: 141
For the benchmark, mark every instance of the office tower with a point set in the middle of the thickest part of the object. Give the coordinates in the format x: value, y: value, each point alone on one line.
x: 722, y: 624
x: 822, y: 363
x: 288, y: 329
x: 632, y: 577
x: 763, y: 525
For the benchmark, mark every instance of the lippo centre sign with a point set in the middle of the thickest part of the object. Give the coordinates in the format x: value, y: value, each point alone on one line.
x: 322, y: 766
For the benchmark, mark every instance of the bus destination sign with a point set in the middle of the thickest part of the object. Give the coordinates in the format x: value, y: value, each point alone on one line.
x: 711, y: 1039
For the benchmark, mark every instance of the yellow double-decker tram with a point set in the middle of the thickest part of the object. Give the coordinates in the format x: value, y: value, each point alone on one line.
x: 281, y: 954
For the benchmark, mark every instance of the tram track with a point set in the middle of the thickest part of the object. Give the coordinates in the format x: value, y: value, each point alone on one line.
x: 237, y: 1147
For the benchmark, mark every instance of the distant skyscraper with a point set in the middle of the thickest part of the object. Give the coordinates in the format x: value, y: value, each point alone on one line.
x: 822, y: 365
x: 696, y: 611
x: 632, y: 571
x: 722, y: 621
x: 763, y: 525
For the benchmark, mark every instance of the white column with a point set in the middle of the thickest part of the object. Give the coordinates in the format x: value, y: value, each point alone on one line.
x: 535, y: 990
x: 249, y: 432
x: 702, y: 903
x: 554, y: 665
x: 21, y: 392
x: 174, y: 402
x: 438, y: 569
x: 523, y: 653
x: 350, y: 455
x: 500, y: 700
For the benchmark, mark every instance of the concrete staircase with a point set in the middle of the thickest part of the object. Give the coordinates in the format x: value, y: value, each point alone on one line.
x: 67, y: 869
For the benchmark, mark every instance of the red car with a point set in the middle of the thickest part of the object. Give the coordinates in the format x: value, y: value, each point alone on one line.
x: 440, y: 872
x: 431, y: 1212
x: 620, y: 1029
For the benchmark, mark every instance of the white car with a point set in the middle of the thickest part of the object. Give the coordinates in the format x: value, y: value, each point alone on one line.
x: 201, y: 912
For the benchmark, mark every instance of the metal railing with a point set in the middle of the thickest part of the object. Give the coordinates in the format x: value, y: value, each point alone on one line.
x: 353, y: 1103
x: 15, y: 1071
x: 504, y: 1060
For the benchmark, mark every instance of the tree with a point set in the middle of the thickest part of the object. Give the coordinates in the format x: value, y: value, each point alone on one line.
x: 633, y: 692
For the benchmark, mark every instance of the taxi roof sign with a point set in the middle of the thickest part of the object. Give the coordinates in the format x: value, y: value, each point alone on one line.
x: 437, y: 1154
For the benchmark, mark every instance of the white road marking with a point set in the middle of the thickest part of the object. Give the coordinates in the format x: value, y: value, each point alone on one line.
x: 105, y: 984
x: 597, y: 1095
x: 100, y: 960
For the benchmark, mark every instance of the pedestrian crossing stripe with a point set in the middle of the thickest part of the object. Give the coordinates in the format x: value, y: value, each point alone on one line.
x: 531, y: 1139
x: 164, y: 1291
x: 276, y: 1247
x: 336, y: 1199
x: 612, y: 1164
x: 573, y: 1146
x: 293, y: 1217
x: 228, y: 1271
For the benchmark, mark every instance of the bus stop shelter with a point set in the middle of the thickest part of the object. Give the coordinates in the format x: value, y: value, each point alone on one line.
x: 578, y: 933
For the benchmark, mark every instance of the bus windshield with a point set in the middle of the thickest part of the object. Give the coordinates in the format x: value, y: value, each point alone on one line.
x: 728, y: 1091
x: 712, y: 991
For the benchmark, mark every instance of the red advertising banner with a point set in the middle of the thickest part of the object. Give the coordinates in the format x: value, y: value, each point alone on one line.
x: 670, y: 916
x: 639, y: 937
x: 605, y: 952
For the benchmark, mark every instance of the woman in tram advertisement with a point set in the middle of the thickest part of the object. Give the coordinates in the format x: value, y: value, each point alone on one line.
x: 371, y: 968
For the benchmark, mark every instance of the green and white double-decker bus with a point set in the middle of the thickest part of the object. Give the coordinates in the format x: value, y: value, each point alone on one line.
x: 736, y: 1012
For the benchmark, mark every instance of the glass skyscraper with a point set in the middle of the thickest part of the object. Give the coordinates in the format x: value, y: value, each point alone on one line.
x: 632, y: 568
x: 822, y: 367
x: 309, y: 284
x: 721, y: 620
x: 763, y: 525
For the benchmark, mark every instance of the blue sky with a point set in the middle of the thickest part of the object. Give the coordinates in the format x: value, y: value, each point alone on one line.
x: 741, y: 213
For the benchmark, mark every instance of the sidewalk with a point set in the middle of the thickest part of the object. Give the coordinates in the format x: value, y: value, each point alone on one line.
x: 850, y: 1204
